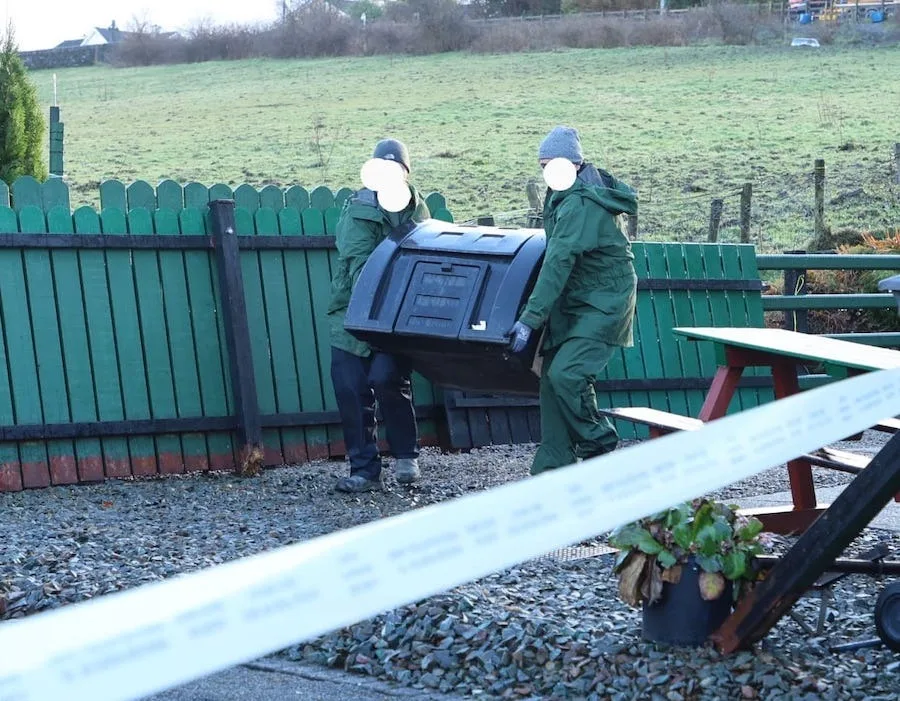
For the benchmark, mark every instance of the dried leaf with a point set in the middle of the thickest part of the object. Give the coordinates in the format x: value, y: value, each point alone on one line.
x: 672, y: 575
x: 712, y: 584
x: 631, y: 578
x: 653, y: 585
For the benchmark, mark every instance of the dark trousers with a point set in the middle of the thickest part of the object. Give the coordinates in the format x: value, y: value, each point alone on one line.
x: 358, y: 382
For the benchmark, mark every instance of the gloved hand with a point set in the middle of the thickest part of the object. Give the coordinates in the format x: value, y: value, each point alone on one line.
x: 520, y: 334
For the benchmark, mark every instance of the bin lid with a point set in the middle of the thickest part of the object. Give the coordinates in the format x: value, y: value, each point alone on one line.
x: 438, y: 236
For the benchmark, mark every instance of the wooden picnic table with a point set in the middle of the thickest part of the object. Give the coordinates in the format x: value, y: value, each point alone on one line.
x: 783, y: 352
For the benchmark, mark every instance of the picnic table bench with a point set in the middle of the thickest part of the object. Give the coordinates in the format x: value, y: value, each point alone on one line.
x: 783, y: 353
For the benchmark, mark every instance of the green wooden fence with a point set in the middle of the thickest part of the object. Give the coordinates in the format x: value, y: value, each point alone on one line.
x: 112, y: 344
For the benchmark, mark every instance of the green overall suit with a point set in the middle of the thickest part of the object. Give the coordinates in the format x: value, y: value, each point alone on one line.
x: 585, y: 295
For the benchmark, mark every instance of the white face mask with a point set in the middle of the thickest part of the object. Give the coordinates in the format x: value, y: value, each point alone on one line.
x: 377, y: 174
x: 560, y: 174
x: 395, y: 198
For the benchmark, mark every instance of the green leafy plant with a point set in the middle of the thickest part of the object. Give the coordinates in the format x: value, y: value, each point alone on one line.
x: 653, y: 550
x: 21, y: 122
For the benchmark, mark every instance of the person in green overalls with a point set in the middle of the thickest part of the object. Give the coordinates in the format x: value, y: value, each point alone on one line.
x: 584, y: 298
x: 360, y: 374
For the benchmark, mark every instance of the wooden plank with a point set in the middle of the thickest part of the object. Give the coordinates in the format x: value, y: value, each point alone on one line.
x: 196, y: 196
x: 457, y: 421
x: 16, y: 354
x: 247, y: 198
x: 303, y: 343
x: 815, y: 550
x: 701, y: 314
x: 141, y: 195
x: 479, y: 427
x: 48, y: 347
x: 498, y: 422
x: 102, y: 343
x: 132, y: 368
x: 79, y: 372
x: 518, y: 425
x: 628, y: 363
x: 155, y: 338
x: 234, y: 322
x: 261, y: 347
x: 739, y: 315
x: 181, y: 345
x: 648, y: 416
x: 435, y: 201
x: 281, y: 338
x: 55, y: 193
x: 663, y: 306
x: 321, y: 198
x: 113, y: 197
x: 26, y: 192
x: 646, y: 334
x: 169, y: 196
x: 801, y: 346
x: 342, y: 196
x: 442, y: 215
x: 755, y: 315
x: 211, y: 365
x: 319, y: 265
x: 220, y: 191
x: 271, y: 197
x: 712, y: 266
x: 297, y: 198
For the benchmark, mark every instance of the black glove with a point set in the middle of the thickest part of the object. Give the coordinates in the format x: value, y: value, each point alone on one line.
x: 520, y: 334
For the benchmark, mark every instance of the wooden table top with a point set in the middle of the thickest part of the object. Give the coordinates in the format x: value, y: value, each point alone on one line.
x: 798, y: 345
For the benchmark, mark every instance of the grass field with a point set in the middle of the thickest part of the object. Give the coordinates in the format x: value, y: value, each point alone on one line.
x: 682, y: 125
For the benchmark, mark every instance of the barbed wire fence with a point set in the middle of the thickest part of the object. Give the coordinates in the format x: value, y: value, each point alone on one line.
x: 774, y: 211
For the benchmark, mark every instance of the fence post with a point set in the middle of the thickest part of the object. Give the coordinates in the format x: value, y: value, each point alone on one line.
x: 746, y: 196
x: 237, y: 335
x: 56, y: 143
x: 715, y: 216
x: 795, y: 284
x: 819, y: 184
x: 897, y: 163
x: 631, y: 223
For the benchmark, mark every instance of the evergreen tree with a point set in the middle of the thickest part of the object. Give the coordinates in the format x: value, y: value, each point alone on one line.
x: 21, y: 121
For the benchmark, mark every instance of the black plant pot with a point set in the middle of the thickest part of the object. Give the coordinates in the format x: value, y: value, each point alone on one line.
x: 682, y: 616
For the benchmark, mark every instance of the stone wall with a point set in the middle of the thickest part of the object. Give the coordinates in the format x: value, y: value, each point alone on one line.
x: 65, y: 58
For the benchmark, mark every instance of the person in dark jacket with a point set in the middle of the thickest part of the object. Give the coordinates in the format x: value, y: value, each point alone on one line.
x: 584, y: 298
x: 359, y: 374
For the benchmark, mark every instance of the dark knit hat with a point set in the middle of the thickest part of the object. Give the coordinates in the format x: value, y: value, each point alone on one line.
x: 392, y: 150
x: 561, y: 142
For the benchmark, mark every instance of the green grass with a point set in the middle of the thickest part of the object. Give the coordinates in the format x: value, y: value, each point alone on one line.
x: 682, y: 125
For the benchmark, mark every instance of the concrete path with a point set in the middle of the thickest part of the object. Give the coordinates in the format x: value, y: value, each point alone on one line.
x: 275, y: 679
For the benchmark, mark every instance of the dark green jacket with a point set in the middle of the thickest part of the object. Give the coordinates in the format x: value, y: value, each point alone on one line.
x: 361, y: 227
x: 586, y: 286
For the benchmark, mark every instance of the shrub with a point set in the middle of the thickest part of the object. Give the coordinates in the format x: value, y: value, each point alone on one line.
x: 21, y: 121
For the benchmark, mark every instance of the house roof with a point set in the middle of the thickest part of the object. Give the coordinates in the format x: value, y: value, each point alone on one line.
x: 68, y: 44
x: 113, y: 35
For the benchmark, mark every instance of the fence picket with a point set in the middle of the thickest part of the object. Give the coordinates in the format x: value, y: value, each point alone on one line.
x: 16, y: 356
x: 256, y: 318
x: 47, y: 346
x: 182, y: 344
x: 55, y: 193
x: 303, y: 331
x: 170, y: 196
x: 79, y: 375
x: 26, y: 192
x: 210, y: 351
x: 141, y: 195
x: 296, y: 197
x: 102, y: 342
x: 279, y: 322
x: 271, y: 197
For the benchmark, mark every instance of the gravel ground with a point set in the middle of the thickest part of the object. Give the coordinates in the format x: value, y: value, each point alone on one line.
x: 543, y: 629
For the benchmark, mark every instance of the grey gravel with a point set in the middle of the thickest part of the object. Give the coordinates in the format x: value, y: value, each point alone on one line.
x: 544, y: 629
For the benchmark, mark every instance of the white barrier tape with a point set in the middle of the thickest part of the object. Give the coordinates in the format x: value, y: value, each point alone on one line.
x: 144, y: 640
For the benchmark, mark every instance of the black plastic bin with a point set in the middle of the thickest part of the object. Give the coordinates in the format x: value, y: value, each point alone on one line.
x: 446, y: 296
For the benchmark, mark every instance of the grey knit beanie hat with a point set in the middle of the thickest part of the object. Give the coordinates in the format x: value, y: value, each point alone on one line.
x: 561, y: 142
